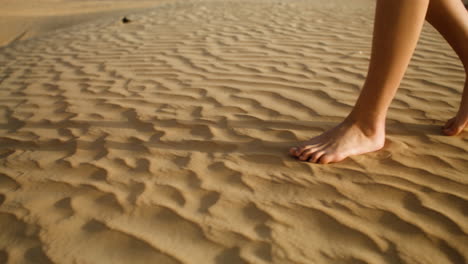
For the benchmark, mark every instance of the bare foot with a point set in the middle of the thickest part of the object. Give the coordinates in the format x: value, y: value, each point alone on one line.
x: 338, y: 143
x: 455, y: 125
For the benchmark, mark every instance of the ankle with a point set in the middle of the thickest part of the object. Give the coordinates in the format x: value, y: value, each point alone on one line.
x: 371, y: 127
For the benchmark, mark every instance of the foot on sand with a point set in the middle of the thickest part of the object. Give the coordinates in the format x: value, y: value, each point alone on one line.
x: 334, y: 145
x: 455, y: 125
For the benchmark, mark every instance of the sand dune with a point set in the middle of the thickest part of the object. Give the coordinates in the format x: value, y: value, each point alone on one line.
x: 164, y: 140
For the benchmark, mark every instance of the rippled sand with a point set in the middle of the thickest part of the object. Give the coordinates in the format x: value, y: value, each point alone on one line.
x: 165, y: 140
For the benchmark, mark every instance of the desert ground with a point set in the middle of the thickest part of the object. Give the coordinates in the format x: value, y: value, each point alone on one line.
x: 165, y: 139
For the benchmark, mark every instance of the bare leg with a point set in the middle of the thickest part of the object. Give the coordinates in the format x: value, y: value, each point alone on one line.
x: 450, y: 18
x: 397, y: 26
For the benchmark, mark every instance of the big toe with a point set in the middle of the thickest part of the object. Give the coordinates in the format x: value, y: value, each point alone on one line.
x: 453, y: 128
x: 449, y: 131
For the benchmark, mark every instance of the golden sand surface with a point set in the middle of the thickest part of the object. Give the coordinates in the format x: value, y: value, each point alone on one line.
x: 25, y: 19
x: 164, y: 140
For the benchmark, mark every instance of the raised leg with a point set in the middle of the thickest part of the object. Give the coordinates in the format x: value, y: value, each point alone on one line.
x: 397, y: 27
x: 450, y: 18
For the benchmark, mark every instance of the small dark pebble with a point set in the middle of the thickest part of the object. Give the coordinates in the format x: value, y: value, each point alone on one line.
x: 125, y: 20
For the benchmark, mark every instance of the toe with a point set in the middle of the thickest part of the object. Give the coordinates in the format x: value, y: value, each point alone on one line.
x: 329, y: 158
x: 297, y: 151
x: 448, y: 128
x: 306, y: 155
x: 316, y: 156
x: 306, y: 145
x: 302, y: 150
x: 450, y: 131
x: 325, y: 159
x: 453, y: 127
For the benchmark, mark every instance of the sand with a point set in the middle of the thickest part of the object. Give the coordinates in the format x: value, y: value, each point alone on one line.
x: 164, y: 140
x: 25, y: 19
